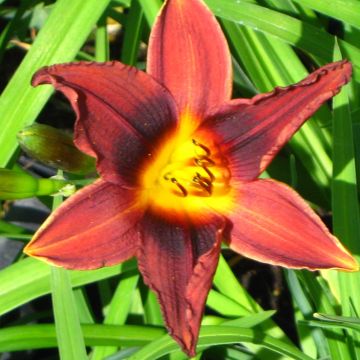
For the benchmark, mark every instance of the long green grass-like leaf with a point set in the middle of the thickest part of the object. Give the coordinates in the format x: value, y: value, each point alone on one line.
x: 152, y: 312
x: 220, y: 335
x: 306, y: 307
x: 338, y: 319
x: 117, y: 312
x: 343, y: 10
x: 318, y: 294
x: 26, y: 337
x: 225, y: 306
x: 69, y: 335
x: 133, y: 31
x: 226, y: 282
x: 102, y: 51
x: 151, y: 9
x: 32, y: 281
x: 58, y: 41
x: 85, y: 314
x: 302, y: 35
x: 68, y: 331
x: 345, y: 206
x: 346, y: 219
x: 232, y: 291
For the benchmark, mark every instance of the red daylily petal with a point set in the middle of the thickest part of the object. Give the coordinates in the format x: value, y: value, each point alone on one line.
x: 189, y: 55
x: 273, y: 224
x: 253, y: 131
x: 121, y: 113
x: 92, y: 229
x: 178, y: 263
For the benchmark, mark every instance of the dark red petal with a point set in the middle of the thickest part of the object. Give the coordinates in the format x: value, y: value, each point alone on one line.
x: 273, y: 224
x: 122, y: 113
x: 93, y: 228
x: 253, y: 131
x: 178, y: 262
x: 189, y: 55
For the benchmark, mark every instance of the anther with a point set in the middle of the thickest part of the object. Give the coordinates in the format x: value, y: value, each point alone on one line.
x: 182, y: 189
x: 174, y: 181
x: 204, y: 161
x: 203, y: 164
x: 204, y: 183
x: 203, y: 147
x: 209, y: 173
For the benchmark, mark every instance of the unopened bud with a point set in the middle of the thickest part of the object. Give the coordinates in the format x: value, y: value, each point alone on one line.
x: 55, y: 148
x: 20, y: 185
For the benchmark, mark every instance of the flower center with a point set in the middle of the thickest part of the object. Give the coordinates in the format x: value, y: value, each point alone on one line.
x: 195, y: 170
x: 187, y: 175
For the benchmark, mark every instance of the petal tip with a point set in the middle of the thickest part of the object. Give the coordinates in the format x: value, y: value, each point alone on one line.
x: 350, y: 265
x: 40, y: 77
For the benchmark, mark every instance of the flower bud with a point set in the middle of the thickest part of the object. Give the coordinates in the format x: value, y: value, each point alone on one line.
x: 20, y: 185
x: 55, y: 148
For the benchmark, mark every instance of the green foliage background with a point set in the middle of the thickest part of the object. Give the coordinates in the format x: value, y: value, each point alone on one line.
x: 273, y: 43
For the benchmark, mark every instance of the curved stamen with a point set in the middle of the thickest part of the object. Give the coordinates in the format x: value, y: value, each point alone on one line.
x: 200, y: 162
x: 182, y: 188
x: 204, y: 161
x: 168, y: 177
x: 203, y: 147
x: 203, y: 182
x: 210, y: 174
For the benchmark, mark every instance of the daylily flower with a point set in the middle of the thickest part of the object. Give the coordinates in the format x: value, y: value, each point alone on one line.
x: 178, y: 163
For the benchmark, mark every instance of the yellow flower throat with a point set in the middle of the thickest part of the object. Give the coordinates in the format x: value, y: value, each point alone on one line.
x: 187, y: 175
x: 201, y: 174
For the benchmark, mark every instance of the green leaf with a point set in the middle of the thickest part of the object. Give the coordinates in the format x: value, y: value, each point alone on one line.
x: 345, y: 206
x: 302, y: 35
x: 220, y: 335
x: 306, y: 307
x: 33, y: 280
x: 151, y: 9
x: 118, y: 311
x: 102, y: 51
x: 338, y: 319
x: 58, y: 41
x: 251, y: 320
x: 319, y: 294
x: 68, y: 331
x: 226, y: 282
x: 344, y: 10
x: 69, y: 336
x: 26, y: 337
x: 133, y: 31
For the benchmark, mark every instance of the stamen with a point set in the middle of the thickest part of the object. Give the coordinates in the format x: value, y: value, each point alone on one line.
x: 174, y: 181
x: 203, y: 147
x: 204, y: 183
x: 182, y: 189
x: 210, y: 174
x: 200, y: 162
x: 204, y: 161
